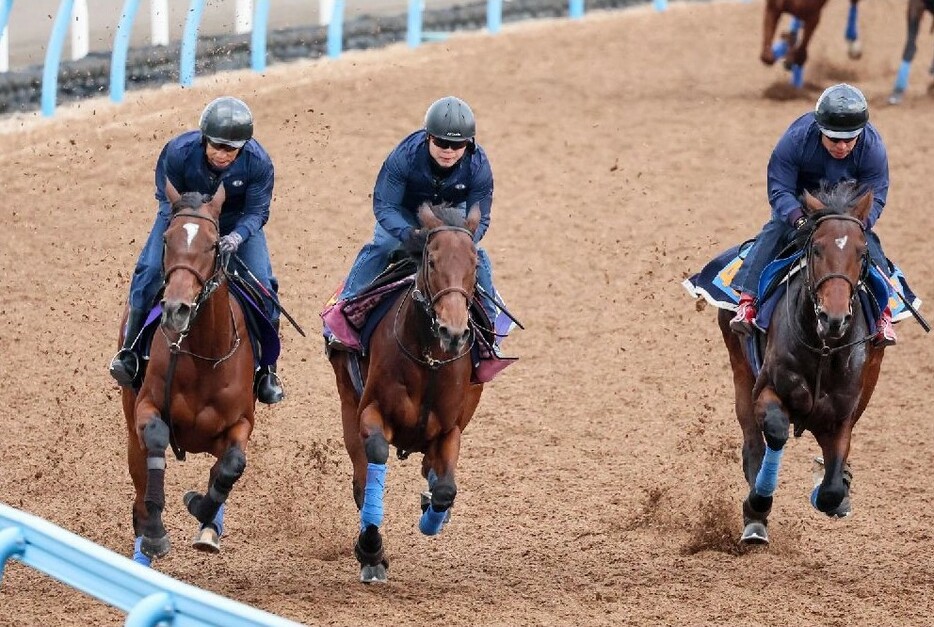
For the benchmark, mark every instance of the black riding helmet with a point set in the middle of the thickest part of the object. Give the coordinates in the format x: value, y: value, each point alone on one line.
x: 841, y: 112
x: 450, y: 118
x: 227, y: 121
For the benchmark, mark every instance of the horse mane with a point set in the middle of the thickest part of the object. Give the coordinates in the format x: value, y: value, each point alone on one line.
x: 190, y: 200
x: 838, y: 198
x: 450, y: 215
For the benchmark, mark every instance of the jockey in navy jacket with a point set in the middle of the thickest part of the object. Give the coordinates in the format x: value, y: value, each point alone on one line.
x: 222, y: 151
x: 410, y: 176
x: 832, y: 144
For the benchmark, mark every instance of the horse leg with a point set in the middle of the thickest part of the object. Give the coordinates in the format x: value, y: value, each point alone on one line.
x: 915, y: 11
x: 208, y: 507
x: 153, y: 541
x: 442, y: 486
x: 369, y: 547
x: 224, y: 474
x: 136, y: 460
x: 799, y: 56
x: 854, y: 47
x: 758, y: 505
x: 832, y: 495
x: 768, y: 54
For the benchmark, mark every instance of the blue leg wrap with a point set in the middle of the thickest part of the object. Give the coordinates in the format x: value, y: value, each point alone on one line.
x: 767, y: 479
x: 797, y: 76
x: 138, y: 555
x: 780, y: 49
x: 372, y: 511
x: 814, y: 496
x: 218, y: 521
x: 852, y: 34
x: 431, y: 521
x: 795, y: 26
x: 901, y: 81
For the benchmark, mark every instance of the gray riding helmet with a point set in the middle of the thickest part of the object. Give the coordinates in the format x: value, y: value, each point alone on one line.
x: 227, y: 121
x: 841, y: 112
x: 450, y: 118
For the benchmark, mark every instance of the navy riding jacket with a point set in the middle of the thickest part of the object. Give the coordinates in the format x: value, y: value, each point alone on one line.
x: 248, y: 181
x: 800, y: 162
x: 407, y: 179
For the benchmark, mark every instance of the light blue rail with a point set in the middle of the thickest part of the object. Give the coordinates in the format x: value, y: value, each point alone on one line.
x: 150, y: 598
x: 188, y: 51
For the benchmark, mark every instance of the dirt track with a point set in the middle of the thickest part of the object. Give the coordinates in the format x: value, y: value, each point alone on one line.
x: 600, y: 482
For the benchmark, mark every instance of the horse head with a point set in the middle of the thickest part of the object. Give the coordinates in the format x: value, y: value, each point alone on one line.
x: 837, y: 255
x: 447, y: 272
x: 191, y: 256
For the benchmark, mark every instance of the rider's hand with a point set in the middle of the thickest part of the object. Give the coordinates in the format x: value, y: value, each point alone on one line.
x: 230, y: 243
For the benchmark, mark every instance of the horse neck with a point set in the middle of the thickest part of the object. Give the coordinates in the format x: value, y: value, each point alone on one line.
x: 213, y: 329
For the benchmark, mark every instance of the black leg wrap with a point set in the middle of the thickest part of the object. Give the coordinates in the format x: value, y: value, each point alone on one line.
x: 377, y: 449
x: 442, y: 496
x: 775, y: 428
x: 156, y: 437
x: 204, y: 508
x: 757, y: 507
x: 369, y: 548
x: 155, y: 487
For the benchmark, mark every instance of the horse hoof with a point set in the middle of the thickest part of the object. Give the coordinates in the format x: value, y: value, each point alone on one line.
x: 155, y: 547
x: 855, y: 50
x: 373, y: 574
x: 207, y: 540
x: 755, y: 532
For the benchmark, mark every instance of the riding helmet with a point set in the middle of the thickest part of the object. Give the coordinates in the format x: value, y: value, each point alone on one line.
x: 227, y: 121
x: 841, y: 112
x: 450, y: 118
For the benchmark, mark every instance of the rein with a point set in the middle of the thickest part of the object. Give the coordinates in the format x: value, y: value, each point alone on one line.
x: 427, y: 302
x: 824, y: 351
x: 208, y: 287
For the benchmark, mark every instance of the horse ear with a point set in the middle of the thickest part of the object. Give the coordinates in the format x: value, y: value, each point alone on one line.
x: 218, y: 200
x: 862, y: 207
x: 473, y: 218
x: 812, y: 204
x: 170, y: 192
x: 427, y: 217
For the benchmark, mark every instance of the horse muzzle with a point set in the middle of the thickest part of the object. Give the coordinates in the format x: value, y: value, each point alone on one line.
x: 833, y: 326
x: 453, y: 339
x: 177, y: 316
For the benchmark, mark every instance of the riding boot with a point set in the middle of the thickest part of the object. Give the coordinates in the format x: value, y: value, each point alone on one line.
x: 124, y: 367
x: 268, y: 386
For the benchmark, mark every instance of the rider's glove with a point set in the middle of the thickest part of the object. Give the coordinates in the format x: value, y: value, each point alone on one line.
x: 230, y: 243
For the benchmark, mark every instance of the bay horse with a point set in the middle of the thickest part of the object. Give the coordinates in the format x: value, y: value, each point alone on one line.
x: 916, y: 10
x: 417, y: 392
x: 805, y: 17
x: 197, y: 392
x: 819, y: 368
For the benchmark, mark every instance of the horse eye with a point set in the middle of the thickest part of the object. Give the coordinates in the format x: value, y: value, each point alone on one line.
x: 431, y: 264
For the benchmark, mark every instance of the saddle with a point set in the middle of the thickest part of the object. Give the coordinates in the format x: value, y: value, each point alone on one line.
x: 349, y: 324
x: 264, y: 338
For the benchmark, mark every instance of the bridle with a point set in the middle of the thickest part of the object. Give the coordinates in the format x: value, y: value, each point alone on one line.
x: 208, y: 287
x: 426, y: 300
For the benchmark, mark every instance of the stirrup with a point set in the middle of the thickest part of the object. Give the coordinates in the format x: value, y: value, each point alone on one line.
x: 269, y: 388
x: 123, y: 373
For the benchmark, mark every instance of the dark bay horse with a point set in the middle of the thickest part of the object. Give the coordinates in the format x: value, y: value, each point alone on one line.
x: 916, y: 10
x: 197, y: 393
x: 819, y: 368
x: 417, y: 393
x: 794, y: 45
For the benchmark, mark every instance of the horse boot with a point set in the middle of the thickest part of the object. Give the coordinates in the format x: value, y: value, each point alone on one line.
x: 124, y: 367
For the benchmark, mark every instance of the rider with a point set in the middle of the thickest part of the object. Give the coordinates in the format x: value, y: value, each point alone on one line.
x: 441, y: 162
x: 833, y: 143
x: 221, y: 151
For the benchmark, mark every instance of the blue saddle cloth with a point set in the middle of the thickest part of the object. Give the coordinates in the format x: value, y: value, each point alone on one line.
x: 263, y: 336
x: 713, y: 284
